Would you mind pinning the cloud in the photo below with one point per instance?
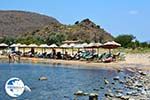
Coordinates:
(133, 12)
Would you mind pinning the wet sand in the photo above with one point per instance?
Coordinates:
(139, 61)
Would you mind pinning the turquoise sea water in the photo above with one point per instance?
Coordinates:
(62, 81)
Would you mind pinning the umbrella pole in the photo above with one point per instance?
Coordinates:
(109, 51)
(98, 50)
(72, 51)
(44, 50)
(23, 50)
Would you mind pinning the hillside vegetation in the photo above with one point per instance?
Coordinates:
(27, 27)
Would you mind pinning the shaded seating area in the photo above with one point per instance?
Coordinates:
(82, 51)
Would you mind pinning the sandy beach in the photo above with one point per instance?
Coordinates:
(140, 61)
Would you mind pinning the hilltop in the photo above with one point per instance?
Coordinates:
(29, 24)
(85, 30)
(14, 23)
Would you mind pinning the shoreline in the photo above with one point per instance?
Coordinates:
(137, 61)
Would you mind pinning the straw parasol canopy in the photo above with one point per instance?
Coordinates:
(72, 45)
(3, 45)
(98, 44)
(78, 46)
(32, 45)
(53, 46)
(23, 45)
(44, 46)
(64, 46)
(84, 45)
(16, 45)
(111, 45)
(94, 45)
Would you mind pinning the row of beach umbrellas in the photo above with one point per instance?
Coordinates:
(107, 45)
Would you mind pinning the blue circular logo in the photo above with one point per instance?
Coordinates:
(14, 87)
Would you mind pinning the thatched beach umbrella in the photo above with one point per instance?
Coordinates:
(111, 45)
(94, 45)
(84, 45)
(64, 46)
(98, 45)
(79, 46)
(23, 46)
(3, 45)
(15, 46)
(44, 46)
(53, 46)
(33, 45)
(72, 45)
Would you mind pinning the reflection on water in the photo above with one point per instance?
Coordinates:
(62, 82)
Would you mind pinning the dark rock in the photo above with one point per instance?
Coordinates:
(142, 73)
(116, 78)
(109, 95)
(121, 82)
(79, 93)
(66, 96)
(118, 95)
(113, 83)
(125, 97)
(106, 81)
(43, 78)
(96, 89)
(119, 91)
(101, 87)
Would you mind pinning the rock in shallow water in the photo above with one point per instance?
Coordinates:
(116, 78)
(106, 81)
(43, 78)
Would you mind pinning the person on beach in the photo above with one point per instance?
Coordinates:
(53, 53)
(32, 52)
(19, 58)
(10, 58)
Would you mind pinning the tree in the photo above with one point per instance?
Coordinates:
(8, 40)
(30, 39)
(77, 22)
(125, 40)
(144, 44)
(56, 38)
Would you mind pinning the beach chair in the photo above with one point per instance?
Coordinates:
(107, 57)
(101, 56)
(122, 56)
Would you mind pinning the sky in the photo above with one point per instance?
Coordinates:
(115, 16)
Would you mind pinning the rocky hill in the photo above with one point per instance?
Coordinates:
(14, 23)
(20, 23)
(85, 30)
